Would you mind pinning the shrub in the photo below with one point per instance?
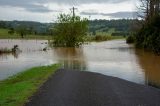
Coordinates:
(70, 31)
(130, 39)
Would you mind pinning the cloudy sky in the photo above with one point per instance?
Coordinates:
(47, 10)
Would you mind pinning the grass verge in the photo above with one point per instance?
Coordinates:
(16, 90)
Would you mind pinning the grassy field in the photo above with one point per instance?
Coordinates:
(16, 90)
(4, 35)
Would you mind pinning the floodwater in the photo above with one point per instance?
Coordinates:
(113, 58)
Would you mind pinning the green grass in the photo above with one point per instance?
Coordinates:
(4, 35)
(16, 90)
(3, 31)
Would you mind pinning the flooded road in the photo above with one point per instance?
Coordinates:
(113, 58)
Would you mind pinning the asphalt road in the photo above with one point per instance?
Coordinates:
(77, 88)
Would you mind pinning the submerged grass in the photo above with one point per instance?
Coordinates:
(99, 38)
(16, 90)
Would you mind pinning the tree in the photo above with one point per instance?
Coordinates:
(150, 8)
(70, 31)
(148, 36)
(21, 30)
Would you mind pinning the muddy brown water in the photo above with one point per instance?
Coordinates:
(113, 58)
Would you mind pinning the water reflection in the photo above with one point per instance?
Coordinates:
(150, 63)
(71, 58)
(6, 56)
(16, 54)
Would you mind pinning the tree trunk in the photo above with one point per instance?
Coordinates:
(151, 13)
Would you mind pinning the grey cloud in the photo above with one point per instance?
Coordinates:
(121, 14)
(23, 3)
(78, 2)
(113, 15)
(29, 5)
(90, 12)
(37, 8)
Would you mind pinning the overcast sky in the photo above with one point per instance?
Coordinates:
(47, 10)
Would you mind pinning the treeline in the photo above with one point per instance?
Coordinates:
(121, 26)
(148, 36)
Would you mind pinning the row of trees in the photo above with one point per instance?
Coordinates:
(148, 36)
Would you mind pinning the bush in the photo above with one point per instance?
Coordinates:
(130, 39)
(70, 31)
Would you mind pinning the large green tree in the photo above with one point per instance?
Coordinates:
(70, 31)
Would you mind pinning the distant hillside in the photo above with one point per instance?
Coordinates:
(36, 27)
(112, 27)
